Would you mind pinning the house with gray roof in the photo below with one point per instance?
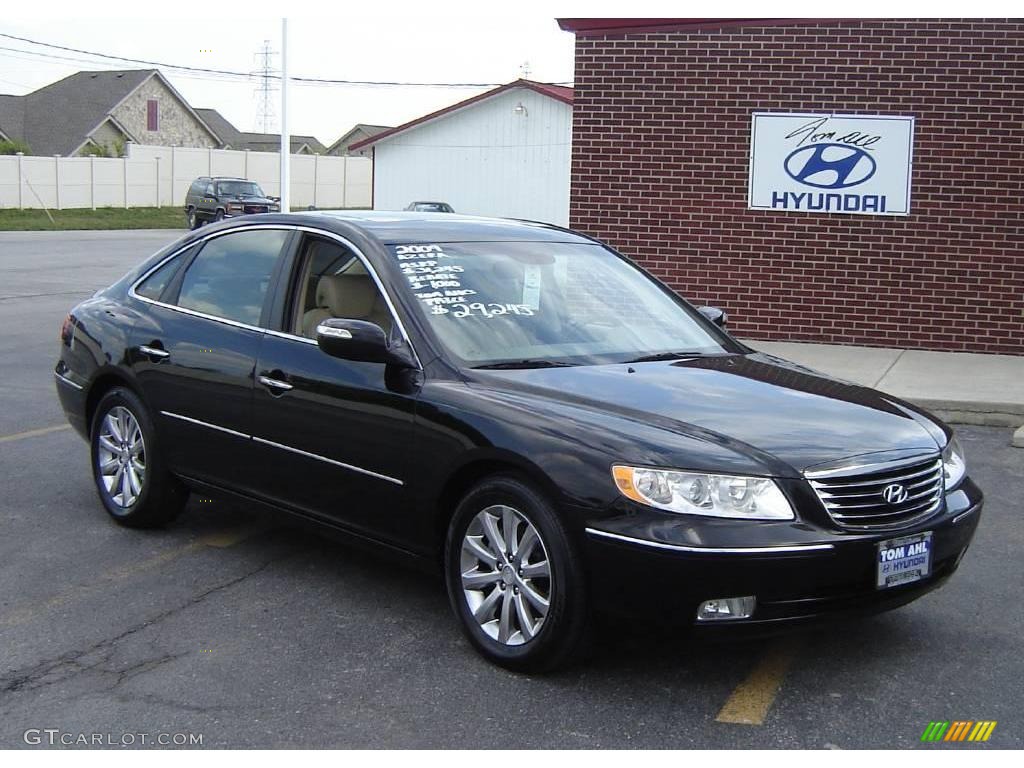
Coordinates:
(358, 132)
(232, 138)
(98, 112)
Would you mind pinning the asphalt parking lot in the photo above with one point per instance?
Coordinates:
(229, 625)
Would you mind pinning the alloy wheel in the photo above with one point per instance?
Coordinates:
(121, 456)
(506, 575)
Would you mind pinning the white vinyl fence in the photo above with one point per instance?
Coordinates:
(160, 176)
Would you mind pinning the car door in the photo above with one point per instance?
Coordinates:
(195, 357)
(333, 438)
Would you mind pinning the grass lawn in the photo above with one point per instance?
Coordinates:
(101, 218)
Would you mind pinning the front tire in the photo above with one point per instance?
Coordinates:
(131, 479)
(219, 216)
(514, 580)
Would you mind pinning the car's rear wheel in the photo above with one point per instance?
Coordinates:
(193, 220)
(132, 482)
(514, 579)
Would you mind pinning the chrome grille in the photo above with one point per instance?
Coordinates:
(856, 499)
(256, 209)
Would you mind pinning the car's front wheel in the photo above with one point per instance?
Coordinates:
(514, 579)
(131, 479)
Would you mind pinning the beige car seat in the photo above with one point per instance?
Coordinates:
(353, 296)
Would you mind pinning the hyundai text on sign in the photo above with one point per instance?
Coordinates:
(831, 164)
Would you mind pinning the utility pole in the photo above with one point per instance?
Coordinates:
(265, 75)
(286, 142)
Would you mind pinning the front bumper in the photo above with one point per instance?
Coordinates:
(797, 571)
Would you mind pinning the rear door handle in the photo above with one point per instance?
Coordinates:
(159, 354)
(282, 386)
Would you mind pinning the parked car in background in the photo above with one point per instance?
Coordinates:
(425, 206)
(519, 406)
(214, 198)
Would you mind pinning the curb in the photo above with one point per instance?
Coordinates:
(976, 413)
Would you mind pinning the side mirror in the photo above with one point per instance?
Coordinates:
(362, 342)
(715, 315)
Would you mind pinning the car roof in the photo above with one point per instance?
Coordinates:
(390, 227)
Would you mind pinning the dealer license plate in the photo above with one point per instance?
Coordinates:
(904, 560)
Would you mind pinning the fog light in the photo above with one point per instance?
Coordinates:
(725, 608)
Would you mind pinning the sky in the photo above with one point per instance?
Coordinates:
(391, 47)
(393, 40)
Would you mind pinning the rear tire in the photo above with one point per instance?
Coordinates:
(192, 219)
(131, 478)
(515, 582)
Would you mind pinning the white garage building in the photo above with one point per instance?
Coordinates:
(504, 153)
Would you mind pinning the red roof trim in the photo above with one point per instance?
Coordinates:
(599, 27)
(558, 92)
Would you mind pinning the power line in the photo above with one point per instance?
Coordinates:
(246, 75)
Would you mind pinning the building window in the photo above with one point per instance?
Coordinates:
(152, 115)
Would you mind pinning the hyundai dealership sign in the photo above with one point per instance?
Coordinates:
(830, 163)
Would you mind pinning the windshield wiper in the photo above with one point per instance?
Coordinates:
(527, 363)
(667, 356)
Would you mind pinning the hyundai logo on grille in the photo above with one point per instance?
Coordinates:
(830, 166)
(895, 493)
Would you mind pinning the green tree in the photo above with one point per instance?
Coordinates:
(14, 147)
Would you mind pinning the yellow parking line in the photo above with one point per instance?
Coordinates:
(750, 702)
(33, 433)
(231, 536)
(218, 539)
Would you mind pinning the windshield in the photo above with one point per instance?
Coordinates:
(549, 303)
(239, 189)
(432, 207)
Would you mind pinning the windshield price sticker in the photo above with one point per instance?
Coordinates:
(531, 286)
(434, 283)
(478, 309)
(438, 285)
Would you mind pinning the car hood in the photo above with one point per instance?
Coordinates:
(251, 200)
(769, 405)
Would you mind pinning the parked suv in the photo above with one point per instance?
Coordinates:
(213, 198)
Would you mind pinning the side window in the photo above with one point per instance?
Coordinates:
(334, 283)
(209, 190)
(231, 275)
(154, 285)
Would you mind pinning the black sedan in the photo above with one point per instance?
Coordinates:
(518, 405)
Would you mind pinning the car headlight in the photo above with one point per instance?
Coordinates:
(697, 493)
(953, 465)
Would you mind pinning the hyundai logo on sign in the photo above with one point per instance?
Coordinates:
(831, 163)
(830, 166)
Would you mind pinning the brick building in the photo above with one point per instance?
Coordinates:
(662, 153)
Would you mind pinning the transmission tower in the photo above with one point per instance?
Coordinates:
(267, 86)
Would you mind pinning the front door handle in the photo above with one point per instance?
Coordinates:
(281, 386)
(154, 352)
